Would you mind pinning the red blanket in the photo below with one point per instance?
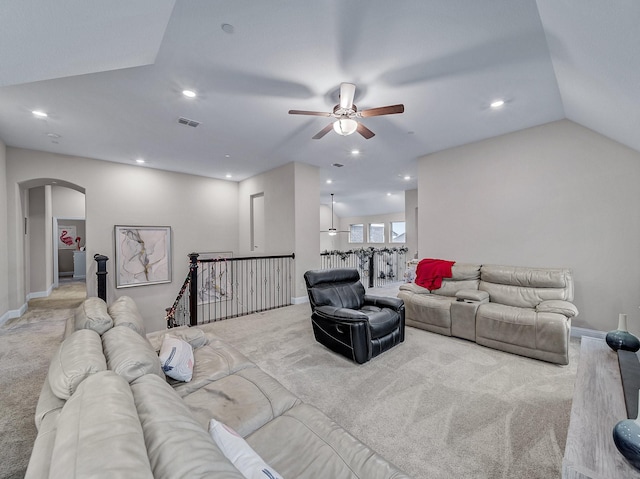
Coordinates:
(430, 272)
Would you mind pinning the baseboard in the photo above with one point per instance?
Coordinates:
(591, 333)
(299, 300)
(40, 294)
(14, 313)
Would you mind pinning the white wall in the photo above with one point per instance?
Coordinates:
(328, 243)
(279, 209)
(411, 220)
(307, 223)
(4, 230)
(291, 196)
(202, 212)
(67, 203)
(39, 234)
(557, 195)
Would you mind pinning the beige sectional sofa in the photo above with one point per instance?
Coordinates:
(525, 311)
(107, 410)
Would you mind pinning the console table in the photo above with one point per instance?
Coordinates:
(598, 404)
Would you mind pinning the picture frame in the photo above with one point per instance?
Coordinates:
(143, 255)
(214, 284)
(66, 237)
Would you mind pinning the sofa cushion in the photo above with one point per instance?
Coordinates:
(382, 321)
(196, 337)
(99, 434)
(177, 445)
(92, 314)
(521, 296)
(212, 362)
(322, 448)
(129, 354)
(525, 287)
(77, 357)
(544, 331)
(245, 401)
(428, 311)
(124, 312)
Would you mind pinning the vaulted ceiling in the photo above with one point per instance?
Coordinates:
(110, 76)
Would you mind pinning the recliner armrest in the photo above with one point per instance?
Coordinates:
(557, 306)
(384, 301)
(341, 314)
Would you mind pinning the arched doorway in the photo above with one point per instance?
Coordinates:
(48, 203)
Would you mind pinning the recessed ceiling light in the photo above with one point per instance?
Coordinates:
(407, 177)
(39, 114)
(227, 28)
(189, 93)
(329, 182)
(497, 104)
(228, 175)
(140, 161)
(227, 156)
(355, 152)
(53, 135)
(388, 194)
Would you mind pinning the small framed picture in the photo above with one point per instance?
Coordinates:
(143, 255)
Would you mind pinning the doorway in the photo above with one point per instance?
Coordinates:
(69, 260)
(257, 223)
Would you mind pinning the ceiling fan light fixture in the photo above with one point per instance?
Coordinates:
(345, 126)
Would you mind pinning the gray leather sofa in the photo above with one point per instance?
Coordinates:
(525, 311)
(107, 410)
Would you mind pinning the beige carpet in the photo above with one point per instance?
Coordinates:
(26, 347)
(437, 407)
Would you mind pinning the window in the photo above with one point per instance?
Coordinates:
(398, 231)
(376, 233)
(356, 233)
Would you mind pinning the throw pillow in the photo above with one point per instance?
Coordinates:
(176, 357)
(238, 451)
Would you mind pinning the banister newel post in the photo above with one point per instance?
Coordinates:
(193, 289)
(102, 275)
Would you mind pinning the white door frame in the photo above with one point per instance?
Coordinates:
(56, 273)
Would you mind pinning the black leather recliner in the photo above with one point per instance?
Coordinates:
(348, 321)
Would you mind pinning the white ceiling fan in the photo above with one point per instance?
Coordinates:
(346, 113)
(332, 231)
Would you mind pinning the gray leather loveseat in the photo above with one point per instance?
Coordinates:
(106, 410)
(525, 311)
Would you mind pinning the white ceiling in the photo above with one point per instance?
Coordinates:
(110, 76)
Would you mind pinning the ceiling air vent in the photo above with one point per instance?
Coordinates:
(337, 165)
(186, 121)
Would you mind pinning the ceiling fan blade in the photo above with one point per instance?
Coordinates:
(347, 92)
(383, 110)
(303, 112)
(364, 131)
(323, 132)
